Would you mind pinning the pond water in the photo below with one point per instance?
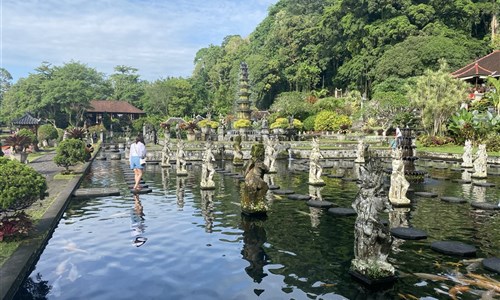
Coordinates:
(200, 247)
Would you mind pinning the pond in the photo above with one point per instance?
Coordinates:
(182, 243)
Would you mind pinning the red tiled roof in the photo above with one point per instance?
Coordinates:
(113, 106)
(488, 65)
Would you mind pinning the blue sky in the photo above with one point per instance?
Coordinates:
(158, 37)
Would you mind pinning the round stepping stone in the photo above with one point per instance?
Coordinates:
(317, 183)
(439, 177)
(456, 169)
(349, 179)
(485, 205)
(453, 200)
(492, 264)
(274, 187)
(408, 233)
(341, 211)
(441, 167)
(283, 192)
(141, 191)
(144, 186)
(319, 204)
(453, 248)
(334, 176)
(463, 181)
(299, 197)
(484, 184)
(426, 194)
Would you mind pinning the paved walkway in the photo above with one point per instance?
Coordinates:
(13, 271)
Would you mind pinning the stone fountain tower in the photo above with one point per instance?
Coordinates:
(408, 154)
(243, 110)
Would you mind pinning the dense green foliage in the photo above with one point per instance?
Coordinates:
(20, 185)
(297, 56)
(70, 152)
(47, 132)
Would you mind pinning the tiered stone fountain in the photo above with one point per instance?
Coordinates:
(409, 157)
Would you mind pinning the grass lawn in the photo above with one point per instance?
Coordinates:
(454, 149)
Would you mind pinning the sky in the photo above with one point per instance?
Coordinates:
(158, 37)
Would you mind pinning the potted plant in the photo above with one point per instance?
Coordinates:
(206, 125)
(18, 143)
(190, 127)
(242, 125)
(279, 125)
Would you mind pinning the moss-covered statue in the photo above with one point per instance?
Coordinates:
(254, 189)
(237, 153)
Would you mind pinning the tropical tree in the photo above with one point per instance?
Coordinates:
(494, 93)
(127, 85)
(437, 95)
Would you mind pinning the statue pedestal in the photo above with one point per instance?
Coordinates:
(374, 283)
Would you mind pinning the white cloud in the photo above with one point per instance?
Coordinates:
(160, 38)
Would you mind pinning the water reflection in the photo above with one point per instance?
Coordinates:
(34, 289)
(254, 237)
(138, 226)
(479, 192)
(466, 187)
(315, 214)
(315, 192)
(180, 191)
(207, 209)
(165, 176)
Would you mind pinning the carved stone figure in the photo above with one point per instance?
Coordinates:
(372, 240)
(480, 163)
(181, 159)
(254, 189)
(467, 156)
(166, 152)
(271, 153)
(315, 168)
(207, 168)
(237, 153)
(399, 184)
(360, 153)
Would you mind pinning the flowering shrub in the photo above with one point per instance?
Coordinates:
(242, 123)
(331, 121)
(208, 123)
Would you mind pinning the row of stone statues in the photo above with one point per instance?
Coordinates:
(479, 163)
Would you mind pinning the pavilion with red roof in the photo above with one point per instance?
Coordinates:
(114, 108)
(477, 71)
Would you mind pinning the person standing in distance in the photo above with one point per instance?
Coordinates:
(137, 151)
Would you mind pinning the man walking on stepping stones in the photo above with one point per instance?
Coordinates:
(137, 152)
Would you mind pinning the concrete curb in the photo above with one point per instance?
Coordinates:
(19, 265)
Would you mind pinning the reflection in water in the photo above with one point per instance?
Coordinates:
(254, 237)
(165, 175)
(479, 193)
(466, 187)
(207, 209)
(180, 190)
(138, 226)
(315, 214)
(398, 217)
(34, 289)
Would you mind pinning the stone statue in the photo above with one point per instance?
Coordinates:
(372, 240)
(467, 156)
(360, 153)
(480, 163)
(315, 168)
(181, 159)
(399, 184)
(166, 151)
(254, 189)
(237, 153)
(207, 169)
(271, 153)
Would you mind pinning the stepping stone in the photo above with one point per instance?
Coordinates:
(456, 169)
(283, 192)
(141, 191)
(441, 167)
(95, 192)
(439, 177)
(484, 184)
(485, 205)
(274, 187)
(144, 186)
(341, 211)
(463, 181)
(426, 194)
(492, 264)
(299, 197)
(334, 176)
(132, 181)
(317, 183)
(453, 248)
(319, 204)
(349, 179)
(405, 233)
(453, 199)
